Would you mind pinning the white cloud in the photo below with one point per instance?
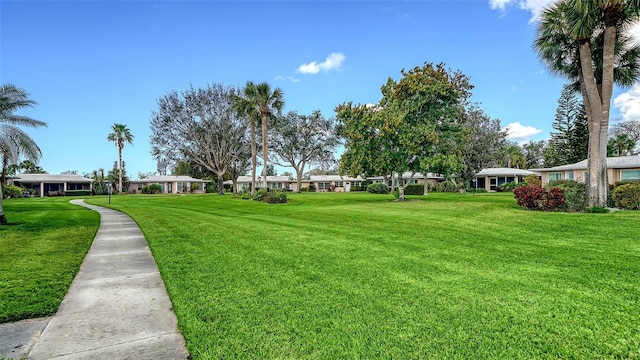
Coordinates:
(517, 131)
(332, 62)
(534, 6)
(290, 78)
(629, 103)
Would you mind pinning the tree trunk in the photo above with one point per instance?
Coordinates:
(119, 169)
(607, 90)
(299, 179)
(3, 218)
(594, 101)
(265, 151)
(254, 160)
(425, 190)
(220, 184)
(235, 185)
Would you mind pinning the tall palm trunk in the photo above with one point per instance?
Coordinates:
(3, 218)
(593, 98)
(607, 90)
(265, 151)
(254, 155)
(120, 168)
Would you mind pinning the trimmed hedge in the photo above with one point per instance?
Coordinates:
(414, 189)
(378, 188)
(151, 189)
(77, 192)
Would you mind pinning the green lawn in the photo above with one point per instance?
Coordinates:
(40, 252)
(335, 276)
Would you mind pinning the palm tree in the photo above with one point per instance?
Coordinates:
(258, 102)
(581, 40)
(621, 145)
(13, 141)
(120, 135)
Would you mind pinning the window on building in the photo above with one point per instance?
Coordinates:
(629, 174)
(570, 175)
(555, 176)
(324, 186)
(339, 184)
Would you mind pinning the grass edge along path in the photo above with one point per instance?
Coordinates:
(41, 250)
(332, 276)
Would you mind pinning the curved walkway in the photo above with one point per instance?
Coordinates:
(117, 306)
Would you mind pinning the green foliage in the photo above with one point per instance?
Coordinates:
(447, 186)
(151, 189)
(627, 196)
(77, 192)
(532, 180)
(508, 186)
(311, 188)
(269, 196)
(478, 190)
(210, 188)
(597, 210)
(11, 191)
(378, 188)
(575, 194)
(414, 189)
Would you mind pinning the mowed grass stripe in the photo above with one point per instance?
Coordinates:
(331, 276)
(40, 253)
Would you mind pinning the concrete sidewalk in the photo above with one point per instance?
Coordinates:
(117, 306)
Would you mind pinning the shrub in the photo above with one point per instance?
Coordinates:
(597, 210)
(195, 187)
(575, 194)
(532, 180)
(478, 190)
(447, 186)
(535, 197)
(273, 196)
(508, 186)
(151, 189)
(529, 196)
(311, 188)
(11, 191)
(77, 192)
(414, 189)
(627, 196)
(378, 188)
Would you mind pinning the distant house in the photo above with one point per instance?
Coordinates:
(490, 179)
(618, 169)
(273, 182)
(170, 184)
(418, 178)
(334, 182)
(52, 184)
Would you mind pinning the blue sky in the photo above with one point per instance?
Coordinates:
(90, 64)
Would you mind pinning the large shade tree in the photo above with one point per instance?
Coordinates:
(14, 142)
(259, 103)
(202, 127)
(584, 41)
(299, 140)
(416, 126)
(120, 135)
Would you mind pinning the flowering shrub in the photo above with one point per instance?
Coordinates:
(535, 197)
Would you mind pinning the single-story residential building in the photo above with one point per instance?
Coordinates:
(333, 182)
(491, 178)
(170, 184)
(52, 184)
(618, 169)
(418, 178)
(273, 182)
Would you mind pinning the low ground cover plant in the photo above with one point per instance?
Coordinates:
(344, 275)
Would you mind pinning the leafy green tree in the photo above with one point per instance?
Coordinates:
(621, 145)
(582, 40)
(417, 125)
(515, 156)
(299, 140)
(120, 134)
(118, 175)
(259, 102)
(534, 153)
(631, 129)
(14, 142)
